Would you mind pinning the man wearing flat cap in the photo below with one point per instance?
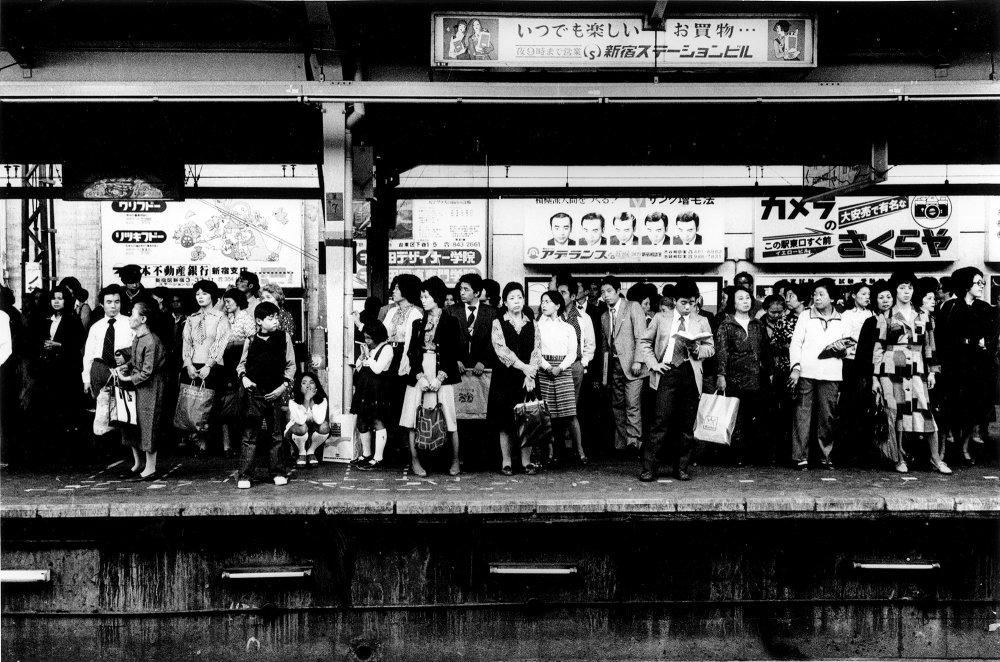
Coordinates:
(131, 277)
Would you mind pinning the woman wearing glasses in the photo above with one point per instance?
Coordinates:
(965, 326)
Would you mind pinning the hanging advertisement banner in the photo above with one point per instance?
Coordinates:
(887, 228)
(581, 231)
(443, 238)
(487, 41)
(180, 243)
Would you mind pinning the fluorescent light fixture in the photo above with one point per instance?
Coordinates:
(897, 565)
(271, 572)
(25, 576)
(523, 569)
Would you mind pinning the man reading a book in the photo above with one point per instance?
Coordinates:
(673, 347)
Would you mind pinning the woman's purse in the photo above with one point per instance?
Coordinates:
(533, 422)
(123, 410)
(430, 428)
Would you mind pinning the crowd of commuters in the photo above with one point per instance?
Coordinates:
(897, 373)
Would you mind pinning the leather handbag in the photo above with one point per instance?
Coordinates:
(533, 422)
(431, 429)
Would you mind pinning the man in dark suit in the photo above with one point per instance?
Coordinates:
(592, 226)
(624, 230)
(476, 321)
(686, 229)
(676, 374)
(561, 225)
(656, 229)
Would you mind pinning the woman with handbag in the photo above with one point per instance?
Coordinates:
(555, 381)
(518, 347)
(206, 334)
(144, 371)
(433, 360)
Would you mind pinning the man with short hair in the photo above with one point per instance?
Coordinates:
(475, 319)
(676, 373)
(592, 226)
(561, 225)
(686, 228)
(622, 325)
(656, 230)
(131, 277)
(624, 225)
(107, 335)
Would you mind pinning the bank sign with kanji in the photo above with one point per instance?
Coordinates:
(859, 230)
(552, 41)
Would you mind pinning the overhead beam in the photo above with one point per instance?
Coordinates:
(496, 92)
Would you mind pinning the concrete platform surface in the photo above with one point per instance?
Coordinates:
(207, 487)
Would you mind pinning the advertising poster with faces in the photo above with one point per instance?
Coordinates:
(588, 231)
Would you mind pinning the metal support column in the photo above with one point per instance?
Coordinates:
(38, 242)
(337, 189)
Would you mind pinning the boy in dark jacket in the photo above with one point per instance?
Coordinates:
(266, 369)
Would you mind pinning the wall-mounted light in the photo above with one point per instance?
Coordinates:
(269, 572)
(524, 569)
(25, 576)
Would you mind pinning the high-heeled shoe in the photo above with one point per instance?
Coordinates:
(583, 461)
(967, 458)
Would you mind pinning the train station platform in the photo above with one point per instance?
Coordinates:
(206, 488)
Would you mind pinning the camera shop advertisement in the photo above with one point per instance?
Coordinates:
(436, 237)
(623, 230)
(887, 228)
(180, 243)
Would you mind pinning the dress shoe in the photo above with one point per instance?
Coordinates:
(682, 475)
(531, 469)
(507, 471)
(147, 479)
(647, 477)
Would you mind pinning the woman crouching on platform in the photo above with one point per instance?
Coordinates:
(433, 357)
(308, 413)
(517, 344)
(555, 381)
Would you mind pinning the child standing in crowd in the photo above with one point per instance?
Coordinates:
(371, 401)
(144, 371)
(308, 412)
(266, 371)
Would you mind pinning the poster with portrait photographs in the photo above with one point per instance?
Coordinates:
(591, 230)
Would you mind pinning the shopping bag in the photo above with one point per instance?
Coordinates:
(472, 395)
(194, 404)
(339, 447)
(431, 429)
(532, 422)
(123, 406)
(102, 412)
(716, 418)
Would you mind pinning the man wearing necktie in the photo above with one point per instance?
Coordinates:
(476, 321)
(108, 335)
(676, 374)
(622, 326)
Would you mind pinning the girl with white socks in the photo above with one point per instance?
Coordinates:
(371, 395)
(307, 412)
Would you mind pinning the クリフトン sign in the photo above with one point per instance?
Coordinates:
(486, 41)
(179, 243)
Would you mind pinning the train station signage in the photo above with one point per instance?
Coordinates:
(180, 243)
(856, 230)
(621, 41)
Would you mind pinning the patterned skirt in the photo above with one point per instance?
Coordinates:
(558, 392)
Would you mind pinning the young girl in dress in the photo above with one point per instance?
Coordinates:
(307, 414)
(371, 395)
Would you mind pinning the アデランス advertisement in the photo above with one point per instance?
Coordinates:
(179, 243)
(885, 228)
(581, 231)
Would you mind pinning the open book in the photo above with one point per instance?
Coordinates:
(692, 337)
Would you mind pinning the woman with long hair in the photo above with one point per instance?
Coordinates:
(56, 360)
(433, 361)
(740, 348)
(906, 367)
(308, 413)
